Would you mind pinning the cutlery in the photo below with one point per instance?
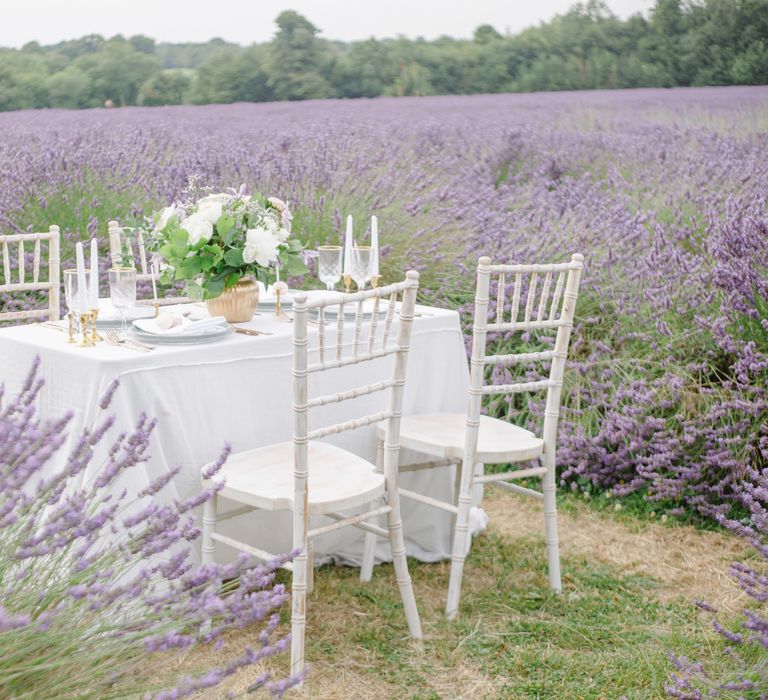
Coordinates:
(114, 339)
(251, 331)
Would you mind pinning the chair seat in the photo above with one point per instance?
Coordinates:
(263, 478)
(442, 435)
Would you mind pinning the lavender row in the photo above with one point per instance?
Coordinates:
(663, 191)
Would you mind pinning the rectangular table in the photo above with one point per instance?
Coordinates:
(239, 391)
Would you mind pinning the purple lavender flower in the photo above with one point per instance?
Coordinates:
(93, 582)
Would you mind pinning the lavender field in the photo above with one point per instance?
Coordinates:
(663, 191)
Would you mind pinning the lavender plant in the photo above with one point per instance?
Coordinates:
(663, 191)
(98, 592)
(746, 645)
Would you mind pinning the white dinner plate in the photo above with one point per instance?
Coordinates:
(143, 329)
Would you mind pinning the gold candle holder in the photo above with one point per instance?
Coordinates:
(157, 309)
(85, 341)
(278, 307)
(71, 318)
(95, 337)
(347, 282)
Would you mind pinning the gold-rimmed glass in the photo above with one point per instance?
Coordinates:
(122, 290)
(361, 265)
(329, 264)
(70, 298)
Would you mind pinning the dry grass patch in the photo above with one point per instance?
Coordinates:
(688, 563)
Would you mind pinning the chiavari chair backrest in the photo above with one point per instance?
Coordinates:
(19, 279)
(529, 298)
(368, 342)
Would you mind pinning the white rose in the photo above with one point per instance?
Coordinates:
(165, 217)
(261, 247)
(270, 223)
(211, 211)
(198, 228)
(283, 234)
(278, 204)
(220, 198)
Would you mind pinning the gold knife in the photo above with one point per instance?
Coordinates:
(250, 331)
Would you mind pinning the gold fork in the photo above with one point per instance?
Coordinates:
(114, 339)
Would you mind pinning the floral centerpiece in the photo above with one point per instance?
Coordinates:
(220, 242)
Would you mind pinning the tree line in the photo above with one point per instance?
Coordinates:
(680, 43)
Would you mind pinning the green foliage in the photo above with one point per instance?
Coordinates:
(295, 60)
(708, 42)
(168, 87)
(209, 265)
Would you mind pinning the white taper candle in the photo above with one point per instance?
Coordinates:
(152, 273)
(374, 247)
(348, 243)
(93, 285)
(82, 299)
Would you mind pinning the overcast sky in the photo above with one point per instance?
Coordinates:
(248, 21)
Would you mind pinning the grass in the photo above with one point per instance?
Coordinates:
(607, 636)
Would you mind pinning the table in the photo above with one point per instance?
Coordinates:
(239, 391)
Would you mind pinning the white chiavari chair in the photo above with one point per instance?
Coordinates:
(471, 438)
(143, 273)
(313, 478)
(52, 282)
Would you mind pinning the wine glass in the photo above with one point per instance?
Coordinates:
(361, 266)
(122, 290)
(70, 296)
(329, 265)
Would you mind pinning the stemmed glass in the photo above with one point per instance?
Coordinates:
(361, 266)
(70, 295)
(329, 264)
(122, 291)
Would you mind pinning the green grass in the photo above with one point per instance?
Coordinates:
(607, 636)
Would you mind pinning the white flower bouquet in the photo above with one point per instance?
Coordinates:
(214, 241)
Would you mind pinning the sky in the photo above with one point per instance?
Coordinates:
(249, 21)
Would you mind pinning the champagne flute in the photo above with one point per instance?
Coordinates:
(361, 265)
(70, 296)
(122, 290)
(329, 264)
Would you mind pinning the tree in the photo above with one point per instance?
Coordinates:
(364, 70)
(297, 59)
(485, 34)
(142, 43)
(233, 77)
(117, 72)
(169, 87)
(69, 89)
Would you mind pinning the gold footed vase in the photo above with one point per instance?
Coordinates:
(236, 304)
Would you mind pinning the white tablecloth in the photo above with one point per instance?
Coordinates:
(239, 391)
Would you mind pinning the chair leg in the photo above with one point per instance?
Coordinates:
(310, 566)
(397, 543)
(298, 612)
(455, 501)
(460, 542)
(369, 548)
(209, 527)
(369, 552)
(550, 522)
